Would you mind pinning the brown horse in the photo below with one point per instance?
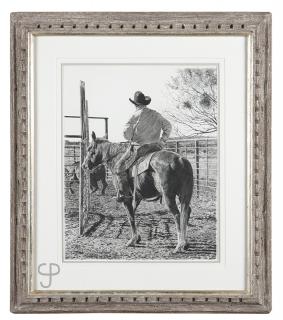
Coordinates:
(169, 175)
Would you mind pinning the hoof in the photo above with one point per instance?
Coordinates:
(139, 239)
(181, 247)
(135, 240)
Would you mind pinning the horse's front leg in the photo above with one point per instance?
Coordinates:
(93, 185)
(136, 238)
(104, 186)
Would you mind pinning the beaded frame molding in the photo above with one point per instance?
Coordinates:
(257, 28)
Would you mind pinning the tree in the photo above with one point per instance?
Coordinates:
(194, 95)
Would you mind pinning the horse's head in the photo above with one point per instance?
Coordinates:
(93, 156)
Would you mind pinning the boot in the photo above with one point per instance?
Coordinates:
(123, 187)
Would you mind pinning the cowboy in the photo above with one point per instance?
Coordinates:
(143, 130)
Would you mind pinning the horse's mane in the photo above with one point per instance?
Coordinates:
(112, 148)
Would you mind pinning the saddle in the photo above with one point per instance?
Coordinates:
(139, 157)
(142, 164)
(137, 161)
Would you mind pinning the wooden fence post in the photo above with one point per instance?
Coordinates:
(197, 165)
(86, 138)
(207, 162)
(177, 147)
(84, 176)
(106, 128)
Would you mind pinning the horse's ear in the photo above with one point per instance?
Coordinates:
(93, 136)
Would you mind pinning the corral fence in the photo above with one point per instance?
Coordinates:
(201, 152)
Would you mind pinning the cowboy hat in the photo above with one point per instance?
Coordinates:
(140, 99)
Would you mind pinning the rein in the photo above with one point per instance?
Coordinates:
(104, 162)
(101, 164)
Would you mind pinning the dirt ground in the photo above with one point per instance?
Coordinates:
(109, 230)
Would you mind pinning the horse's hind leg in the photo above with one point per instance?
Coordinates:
(136, 238)
(185, 215)
(172, 206)
(185, 199)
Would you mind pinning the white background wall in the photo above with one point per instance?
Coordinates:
(273, 6)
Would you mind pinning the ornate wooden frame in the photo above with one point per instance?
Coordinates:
(257, 28)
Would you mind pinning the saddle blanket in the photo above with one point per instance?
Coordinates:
(142, 164)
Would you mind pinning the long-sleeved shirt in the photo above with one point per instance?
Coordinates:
(145, 126)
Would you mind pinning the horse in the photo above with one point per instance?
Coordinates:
(98, 174)
(169, 175)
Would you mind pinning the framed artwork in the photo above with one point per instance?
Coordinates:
(141, 147)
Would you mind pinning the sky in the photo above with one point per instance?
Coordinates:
(108, 89)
